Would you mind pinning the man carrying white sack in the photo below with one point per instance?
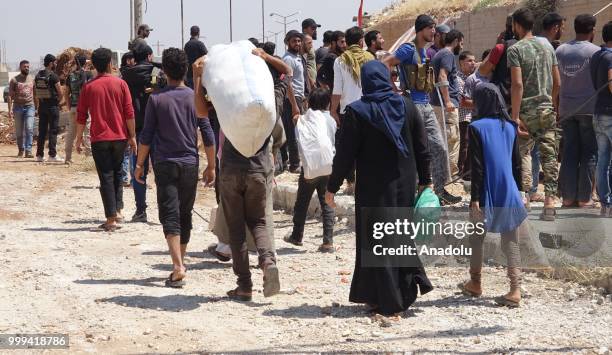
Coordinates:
(243, 185)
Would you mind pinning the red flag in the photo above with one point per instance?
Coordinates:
(360, 15)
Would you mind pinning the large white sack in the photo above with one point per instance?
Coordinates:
(240, 87)
(315, 145)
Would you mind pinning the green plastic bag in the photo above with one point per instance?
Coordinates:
(426, 210)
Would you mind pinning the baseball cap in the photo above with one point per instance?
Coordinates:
(144, 27)
(307, 23)
(443, 29)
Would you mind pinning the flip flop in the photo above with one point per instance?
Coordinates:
(503, 301)
(174, 283)
(271, 284)
(233, 295)
(109, 228)
(467, 292)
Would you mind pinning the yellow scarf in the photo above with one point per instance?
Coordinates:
(354, 57)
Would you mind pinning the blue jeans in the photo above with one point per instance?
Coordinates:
(125, 167)
(577, 173)
(140, 190)
(603, 131)
(24, 126)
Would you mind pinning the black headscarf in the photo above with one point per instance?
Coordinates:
(380, 105)
(490, 103)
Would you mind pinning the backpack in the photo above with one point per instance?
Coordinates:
(419, 76)
(501, 75)
(42, 87)
(76, 80)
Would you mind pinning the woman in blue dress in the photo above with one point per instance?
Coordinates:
(495, 195)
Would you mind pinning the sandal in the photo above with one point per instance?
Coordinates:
(174, 283)
(536, 197)
(548, 214)
(466, 292)
(235, 296)
(109, 228)
(503, 301)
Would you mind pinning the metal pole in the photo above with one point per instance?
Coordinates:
(231, 34)
(263, 22)
(137, 15)
(182, 27)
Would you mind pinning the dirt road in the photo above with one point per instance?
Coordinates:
(61, 275)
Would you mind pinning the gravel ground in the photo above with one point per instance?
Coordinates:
(60, 275)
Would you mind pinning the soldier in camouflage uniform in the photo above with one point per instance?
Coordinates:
(535, 82)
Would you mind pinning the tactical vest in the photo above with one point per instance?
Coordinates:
(75, 82)
(419, 76)
(43, 89)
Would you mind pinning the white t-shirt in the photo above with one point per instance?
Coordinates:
(344, 85)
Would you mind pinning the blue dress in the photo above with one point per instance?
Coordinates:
(496, 173)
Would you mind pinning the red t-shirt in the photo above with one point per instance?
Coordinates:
(108, 101)
(496, 54)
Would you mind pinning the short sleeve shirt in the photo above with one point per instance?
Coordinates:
(407, 54)
(601, 64)
(445, 59)
(536, 62)
(21, 90)
(295, 62)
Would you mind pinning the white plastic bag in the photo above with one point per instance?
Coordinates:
(240, 87)
(314, 143)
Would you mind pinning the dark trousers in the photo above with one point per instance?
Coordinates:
(350, 178)
(48, 125)
(140, 190)
(176, 192)
(577, 173)
(463, 162)
(304, 193)
(243, 199)
(108, 157)
(289, 150)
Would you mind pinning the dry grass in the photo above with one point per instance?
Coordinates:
(587, 276)
(403, 9)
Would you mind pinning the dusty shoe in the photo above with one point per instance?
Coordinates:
(271, 282)
(56, 159)
(447, 199)
(326, 248)
(40, 159)
(29, 155)
(20, 154)
(140, 217)
(289, 239)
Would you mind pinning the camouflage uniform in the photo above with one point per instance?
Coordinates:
(536, 62)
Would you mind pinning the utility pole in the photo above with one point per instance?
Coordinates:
(131, 19)
(263, 21)
(285, 23)
(137, 15)
(158, 45)
(275, 34)
(182, 27)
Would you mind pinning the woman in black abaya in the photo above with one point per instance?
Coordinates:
(384, 135)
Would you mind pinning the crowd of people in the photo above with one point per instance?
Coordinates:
(492, 119)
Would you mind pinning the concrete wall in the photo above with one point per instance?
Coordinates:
(482, 27)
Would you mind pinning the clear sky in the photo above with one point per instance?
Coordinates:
(33, 28)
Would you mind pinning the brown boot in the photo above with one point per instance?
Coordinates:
(473, 287)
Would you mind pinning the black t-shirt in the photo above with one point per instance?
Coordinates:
(320, 54)
(194, 49)
(601, 63)
(326, 72)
